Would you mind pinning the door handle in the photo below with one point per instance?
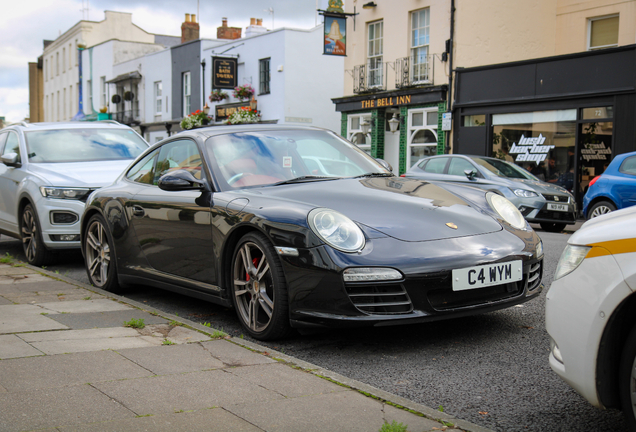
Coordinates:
(138, 211)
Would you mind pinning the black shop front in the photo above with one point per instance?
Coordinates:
(563, 118)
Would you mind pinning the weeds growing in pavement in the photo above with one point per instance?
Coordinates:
(167, 342)
(393, 427)
(6, 259)
(135, 323)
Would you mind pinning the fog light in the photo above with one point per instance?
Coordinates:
(365, 274)
(556, 352)
(64, 237)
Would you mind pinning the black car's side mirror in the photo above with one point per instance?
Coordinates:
(11, 159)
(470, 174)
(385, 164)
(180, 180)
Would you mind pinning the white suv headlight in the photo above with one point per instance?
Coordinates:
(335, 229)
(64, 193)
(571, 258)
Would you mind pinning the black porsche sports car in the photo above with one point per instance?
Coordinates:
(296, 227)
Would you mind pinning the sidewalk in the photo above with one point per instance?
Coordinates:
(68, 363)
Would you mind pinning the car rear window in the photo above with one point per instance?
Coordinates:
(628, 166)
(83, 145)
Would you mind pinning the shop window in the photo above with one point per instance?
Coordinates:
(422, 134)
(603, 32)
(374, 55)
(355, 134)
(474, 120)
(420, 22)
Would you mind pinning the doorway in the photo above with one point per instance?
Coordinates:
(594, 153)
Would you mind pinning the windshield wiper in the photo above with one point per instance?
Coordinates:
(374, 174)
(305, 178)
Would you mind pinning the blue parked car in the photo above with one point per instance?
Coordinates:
(614, 189)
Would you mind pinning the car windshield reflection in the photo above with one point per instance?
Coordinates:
(289, 156)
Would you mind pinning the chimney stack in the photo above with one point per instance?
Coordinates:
(255, 27)
(189, 28)
(225, 32)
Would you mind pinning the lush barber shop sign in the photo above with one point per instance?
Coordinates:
(530, 149)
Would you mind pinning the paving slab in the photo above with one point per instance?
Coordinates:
(287, 381)
(87, 345)
(347, 411)
(64, 335)
(34, 373)
(48, 297)
(11, 346)
(6, 270)
(105, 319)
(25, 318)
(5, 301)
(57, 407)
(209, 420)
(20, 279)
(84, 306)
(234, 355)
(173, 359)
(189, 391)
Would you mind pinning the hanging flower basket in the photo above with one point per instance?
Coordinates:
(218, 96)
(197, 118)
(243, 92)
(243, 115)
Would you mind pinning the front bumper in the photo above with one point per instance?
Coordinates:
(59, 218)
(319, 298)
(578, 307)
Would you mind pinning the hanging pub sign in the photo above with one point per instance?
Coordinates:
(335, 27)
(224, 72)
(335, 35)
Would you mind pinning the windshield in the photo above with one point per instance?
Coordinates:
(273, 157)
(83, 145)
(504, 169)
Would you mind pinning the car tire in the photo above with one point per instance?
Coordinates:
(552, 226)
(600, 208)
(99, 255)
(627, 380)
(31, 235)
(258, 288)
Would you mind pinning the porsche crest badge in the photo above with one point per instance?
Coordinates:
(451, 225)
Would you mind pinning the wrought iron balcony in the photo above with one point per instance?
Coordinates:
(412, 71)
(128, 117)
(369, 77)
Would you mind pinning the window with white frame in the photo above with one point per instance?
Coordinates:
(158, 98)
(70, 56)
(57, 63)
(186, 93)
(602, 32)
(63, 60)
(420, 21)
(354, 131)
(422, 134)
(46, 70)
(103, 99)
(374, 55)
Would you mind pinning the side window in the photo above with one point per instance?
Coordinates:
(3, 138)
(13, 145)
(143, 171)
(436, 166)
(458, 166)
(629, 166)
(177, 155)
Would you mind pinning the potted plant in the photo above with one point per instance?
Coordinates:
(244, 115)
(218, 96)
(244, 92)
(196, 119)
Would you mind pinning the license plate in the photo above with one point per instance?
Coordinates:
(487, 275)
(558, 207)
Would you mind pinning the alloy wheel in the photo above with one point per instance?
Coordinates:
(29, 234)
(600, 210)
(97, 252)
(253, 287)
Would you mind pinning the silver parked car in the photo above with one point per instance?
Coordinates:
(547, 204)
(47, 172)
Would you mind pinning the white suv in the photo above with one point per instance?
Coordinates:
(47, 172)
(591, 313)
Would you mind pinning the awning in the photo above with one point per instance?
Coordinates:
(135, 75)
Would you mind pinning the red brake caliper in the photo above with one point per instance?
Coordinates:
(247, 276)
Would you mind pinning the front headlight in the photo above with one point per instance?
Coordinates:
(506, 210)
(64, 193)
(571, 258)
(337, 230)
(523, 193)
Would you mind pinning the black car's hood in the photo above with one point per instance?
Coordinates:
(406, 209)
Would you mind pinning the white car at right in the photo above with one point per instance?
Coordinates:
(591, 313)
